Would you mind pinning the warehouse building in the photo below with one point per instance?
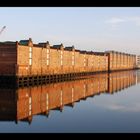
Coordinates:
(24, 59)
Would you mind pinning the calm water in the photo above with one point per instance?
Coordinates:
(100, 103)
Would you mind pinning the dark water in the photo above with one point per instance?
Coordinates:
(100, 103)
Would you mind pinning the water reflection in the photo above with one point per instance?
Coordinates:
(121, 80)
(21, 104)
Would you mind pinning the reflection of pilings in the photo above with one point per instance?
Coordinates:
(22, 81)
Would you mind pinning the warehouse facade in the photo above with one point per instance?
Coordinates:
(24, 58)
(120, 61)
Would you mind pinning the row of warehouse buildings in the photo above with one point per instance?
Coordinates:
(24, 58)
(23, 103)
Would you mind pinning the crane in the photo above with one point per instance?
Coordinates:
(2, 29)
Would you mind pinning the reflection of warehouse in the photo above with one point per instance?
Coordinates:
(118, 81)
(8, 105)
(138, 77)
(138, 61)
(25, 59)
(23, 103)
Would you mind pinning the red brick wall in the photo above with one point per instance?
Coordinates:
(8, 58)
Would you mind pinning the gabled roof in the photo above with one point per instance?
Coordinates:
(69, 48)
(24, 42)
(44, 44)
(58, 46)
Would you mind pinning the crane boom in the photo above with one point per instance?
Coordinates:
(2, 29)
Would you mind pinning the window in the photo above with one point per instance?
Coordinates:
(72, 58)
(30, 61)
(30, 49)
(84, 61)
(47, 51)
(47, 62)
(61, 58)
(30, 55)
(48, 56)
(61, 62)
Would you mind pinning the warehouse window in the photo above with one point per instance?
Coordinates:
(61, 58)
(47, 50)
(30, 55)
(48, 56)
(30, 49)
(47, 62)
(72, 58)
(30, 61)
(84, 60)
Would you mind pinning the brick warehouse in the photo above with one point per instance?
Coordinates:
(25, 59)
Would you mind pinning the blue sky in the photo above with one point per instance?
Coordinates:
(94, 28)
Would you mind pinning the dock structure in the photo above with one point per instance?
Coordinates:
(27, 63)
